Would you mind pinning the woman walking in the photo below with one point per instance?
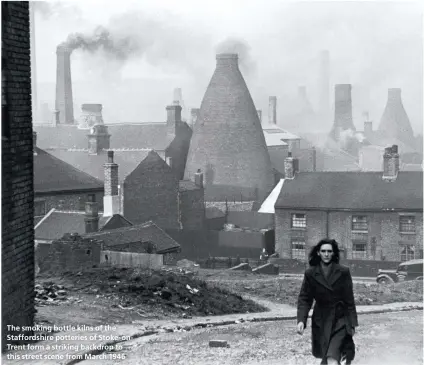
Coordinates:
(334, 316)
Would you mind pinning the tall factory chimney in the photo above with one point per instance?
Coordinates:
(228, 143)
(394, 121)
(34, 99)
(342, 111)
(324, 83)
(64, 100)
(272, 110)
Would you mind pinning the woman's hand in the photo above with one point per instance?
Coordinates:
(300, 328)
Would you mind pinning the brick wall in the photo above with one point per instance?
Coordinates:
(383, 233)
(69, 201)
(192, 209)
(17, 170)
(72, 255)
(152, 193)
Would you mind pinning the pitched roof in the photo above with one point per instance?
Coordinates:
(147, 231)
(127, 161)
(150, 162)
(125, 135)
(352, 191)
(56, 223)
(51, 174)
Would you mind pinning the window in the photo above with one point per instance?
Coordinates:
(359, 223)
(298, 249)
(39, 208)
(407, 224)
(359, 250)
(298, 220)
(407, 253)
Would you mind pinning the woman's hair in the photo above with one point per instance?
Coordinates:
(314, 259)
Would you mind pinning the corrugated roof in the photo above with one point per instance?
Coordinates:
(148, 231)
(52, 174)
(142, 135)
(127, 161)
(352, 190)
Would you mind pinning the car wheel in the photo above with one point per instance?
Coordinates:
(383, 281)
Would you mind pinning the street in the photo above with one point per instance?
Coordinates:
(389, 338)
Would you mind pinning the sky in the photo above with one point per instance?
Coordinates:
(373, 46)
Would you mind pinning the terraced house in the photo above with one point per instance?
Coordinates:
(373, 215)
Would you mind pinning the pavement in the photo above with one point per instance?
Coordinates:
(76, 344)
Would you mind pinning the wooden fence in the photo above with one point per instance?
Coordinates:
(131, 260)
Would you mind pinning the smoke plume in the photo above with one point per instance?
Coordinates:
(119, 47)
(233, 45)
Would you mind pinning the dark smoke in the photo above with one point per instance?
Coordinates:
(121, 48)
(233, 45)
(133, 35)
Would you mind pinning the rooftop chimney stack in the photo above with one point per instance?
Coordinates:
(260, 115)
(98, 139)
(324, 83)
(394, 121)
(35, 114)
(291, 166)
(111, 204)
(91, 115)
(91, 218)
(342, 111)
(390, 163)
(173, 121)
(198, 178)
(64, 99)
(272, 110)
(178, 100)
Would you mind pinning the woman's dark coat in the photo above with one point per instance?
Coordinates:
(329, 293)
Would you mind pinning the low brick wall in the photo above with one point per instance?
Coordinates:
(365, 268)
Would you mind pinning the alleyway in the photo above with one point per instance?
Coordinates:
(388, 338)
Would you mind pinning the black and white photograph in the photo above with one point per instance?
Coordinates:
(212, 182)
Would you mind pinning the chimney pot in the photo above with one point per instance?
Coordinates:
(91, 214)
(198, 178)
(291, 166)
(390, 163)
(110, 156)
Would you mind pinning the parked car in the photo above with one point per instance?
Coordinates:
(409, 270)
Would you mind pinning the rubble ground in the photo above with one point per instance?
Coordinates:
(119, 295)
(285, 290)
